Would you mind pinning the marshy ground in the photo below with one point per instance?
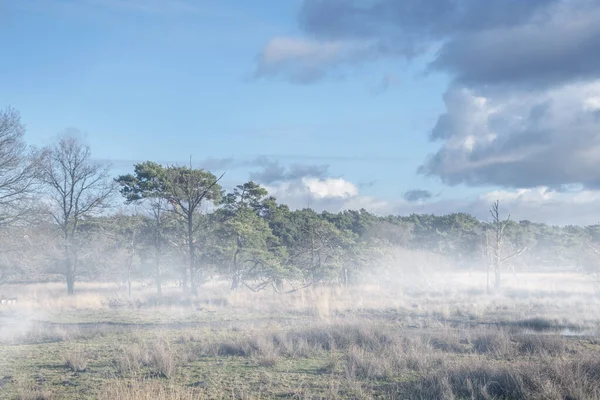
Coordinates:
(445, 339)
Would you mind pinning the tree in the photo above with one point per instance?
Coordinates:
(76, 188)
(244, 240)
(147, 186)
(186, 189)
(128, 232)
(245, 247)
(19, 167)
(183, 190)
(249, 195)
(316, 248)
(495, 244)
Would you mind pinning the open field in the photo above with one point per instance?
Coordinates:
(440, 339)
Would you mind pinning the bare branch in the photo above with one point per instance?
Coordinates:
(515, 254)
(77, 189)
(18, 169)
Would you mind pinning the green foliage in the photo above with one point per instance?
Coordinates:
(254, 241)
(244, 247)
(186, 188)
(181, 191)
(148, 181)
(316, 247)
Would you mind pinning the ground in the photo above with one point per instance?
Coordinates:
(439, 338)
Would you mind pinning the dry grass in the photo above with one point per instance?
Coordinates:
(392, 341)
(76, 359)
(35, 394)
(146, 390)
(267, 353)
(497, 343)
(480, 379)
(158, 356)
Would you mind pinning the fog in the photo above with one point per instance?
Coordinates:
(362, 204)
(384, 311)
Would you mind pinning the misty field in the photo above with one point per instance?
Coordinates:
(443, 339)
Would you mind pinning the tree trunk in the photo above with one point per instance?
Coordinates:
(487, 287)
(129, 282)
(344, 276)
(235, 282)
(497, 277)
(279, 284)
(69, 267)
(130, 264)
(157, 247)
(184, 278)
(190, 234)
(194, 281)
(158, 278)
(70, 276)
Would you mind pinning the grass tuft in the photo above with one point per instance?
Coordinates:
(76, 360)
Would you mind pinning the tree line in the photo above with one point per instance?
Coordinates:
(64, 216)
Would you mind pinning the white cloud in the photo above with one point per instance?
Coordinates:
(543, 205)
(537, 205)
(330, 188)
(331, 194)
(372, 204)
(592, 103)
(539, 195)
(575, 206)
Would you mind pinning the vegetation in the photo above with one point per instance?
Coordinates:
(177, 288)
(63, 205)
(327, 342)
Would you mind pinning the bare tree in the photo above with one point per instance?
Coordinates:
(77, 188)
(496, 246)
(485, 254)
(18, 169)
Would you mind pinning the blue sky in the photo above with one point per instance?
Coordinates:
(166, 80)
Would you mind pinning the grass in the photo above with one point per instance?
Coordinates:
(364, 342)
(76, 360)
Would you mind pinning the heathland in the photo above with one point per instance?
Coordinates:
(438, 336)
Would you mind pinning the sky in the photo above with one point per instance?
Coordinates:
(395, 106)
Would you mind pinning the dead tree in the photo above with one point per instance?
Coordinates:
(485, 254)
(495, 245)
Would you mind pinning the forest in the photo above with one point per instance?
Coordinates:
(65, 218)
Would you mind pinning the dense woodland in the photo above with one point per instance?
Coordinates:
(64, 217)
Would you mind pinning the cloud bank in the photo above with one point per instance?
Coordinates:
(565, 207)
(523, 106)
